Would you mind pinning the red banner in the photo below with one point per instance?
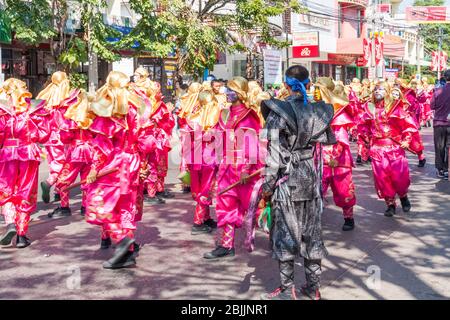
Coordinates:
(379, 48)
(306, 52)
(439, 61)
(426, 14)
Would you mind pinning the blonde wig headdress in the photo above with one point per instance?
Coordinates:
(189, 100)
(17, 93)
(255, 96)
(240, 86)
(326, 88)
(57, 91)
(112, 100)
(79, 111)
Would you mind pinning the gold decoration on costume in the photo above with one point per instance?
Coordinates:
(17, 93)
(112, 100)
(283, 94)
(57, 91)
(79, 112)
(189, 100)
(327, 87)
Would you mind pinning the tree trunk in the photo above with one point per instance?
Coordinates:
(92, 59)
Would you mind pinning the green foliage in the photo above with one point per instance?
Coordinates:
(78, 80)
(430, 32)
(75, 54)
(30, 20)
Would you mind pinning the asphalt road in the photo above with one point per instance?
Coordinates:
(406, 257)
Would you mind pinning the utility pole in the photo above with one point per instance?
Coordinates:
(419, 65)
(373, 63)
(440, 52)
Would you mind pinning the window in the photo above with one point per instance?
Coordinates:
(239, 68)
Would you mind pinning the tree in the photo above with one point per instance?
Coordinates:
(198, 30)
(38, 21)
(430, 32)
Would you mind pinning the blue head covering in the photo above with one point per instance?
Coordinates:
(298, 86)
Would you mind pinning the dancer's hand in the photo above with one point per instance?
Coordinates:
(405, 145)
(92, 176)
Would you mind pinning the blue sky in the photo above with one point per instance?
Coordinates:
(407, 3)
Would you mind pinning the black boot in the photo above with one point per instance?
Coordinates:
(390, 212)
(126, 261)
(211, 223)
(105, 244)
(287, 289)
(219, 253)
(422, 163)
(60, 212)
(186, 189)
(165, 194)
(156, 200)
(83, 211)
(349, 225)
(117, 260)
(9, 234)
(57, 198)
(406, 204)
(313, 270)
(45, 186)
(358, 160)
(200, 229)
(22, 242)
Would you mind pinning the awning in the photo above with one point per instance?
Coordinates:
(394, 47)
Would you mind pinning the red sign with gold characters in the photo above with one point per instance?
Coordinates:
(306, 52)
(427, 14)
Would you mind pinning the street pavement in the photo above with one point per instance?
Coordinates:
(406, 257)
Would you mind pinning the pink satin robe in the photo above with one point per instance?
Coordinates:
(232, 205)
(339, 175)
(20, 156)
(112, 200)
(386, 132)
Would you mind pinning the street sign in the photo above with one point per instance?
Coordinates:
(305, 45)
(273, 66)
(427, 14)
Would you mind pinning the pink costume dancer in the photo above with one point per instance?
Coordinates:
(57, 95)
(118, 143)
(200, 157)
(23, 125)
(338, 160)
(390, 129)
(416, 140)
(79, 151)
(240, 126)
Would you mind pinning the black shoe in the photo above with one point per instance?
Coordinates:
(390, 212)
(166, 194)
(440, 174)
(22, 242)
(7, 237)
(145, 192)
(45, 186)
(406, 204)
(121, 251)
(369, 159)
(211, 223)
(359, 160)
(60, 212)
(83, 211)
(127, 260)
(311, 292)
(422, 163)
(156, 200)
(200, 229)
(57, 198)
(281, 294)
(349, 225)
(105, 244)
(186, 190)
(219, 253)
